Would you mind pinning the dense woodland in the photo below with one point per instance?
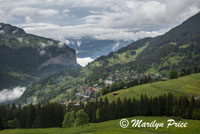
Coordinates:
(165, 105)
(52, 114)
(32, 116)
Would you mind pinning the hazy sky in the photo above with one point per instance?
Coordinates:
(102, 19)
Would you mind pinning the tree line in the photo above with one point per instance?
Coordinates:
(31, 116)
(164, 105)
(57, 115)
(173, 74)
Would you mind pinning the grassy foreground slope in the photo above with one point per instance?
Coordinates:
(112, 127)
(183, 86)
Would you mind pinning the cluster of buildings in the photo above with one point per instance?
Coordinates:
(85, 91)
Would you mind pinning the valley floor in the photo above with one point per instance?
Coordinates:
(113, 127)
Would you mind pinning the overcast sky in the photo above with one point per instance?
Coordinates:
(102, 19)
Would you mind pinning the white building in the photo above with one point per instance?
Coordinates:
(108, 82)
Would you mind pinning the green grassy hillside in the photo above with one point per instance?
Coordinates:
(112, 127)
(183, 86)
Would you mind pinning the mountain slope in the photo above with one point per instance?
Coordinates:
(25, 57)
(177, 49)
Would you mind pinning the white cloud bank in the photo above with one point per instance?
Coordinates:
(9, 95)
(84, 61)
(102, 19)
(48, 12)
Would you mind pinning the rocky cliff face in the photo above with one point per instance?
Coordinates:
(62, 59)
(25, 58)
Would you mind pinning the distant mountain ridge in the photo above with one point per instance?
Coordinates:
(25, 58)
(90, 47)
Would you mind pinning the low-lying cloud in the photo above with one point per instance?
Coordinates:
(11, 94)
(84, 61)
